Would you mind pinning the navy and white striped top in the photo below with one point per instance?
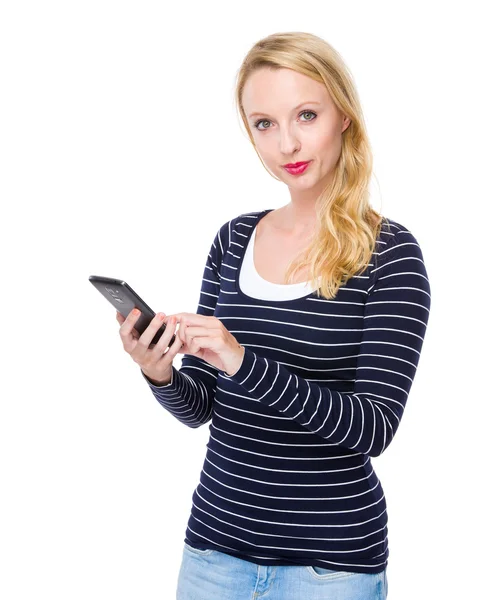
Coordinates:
(287, 477)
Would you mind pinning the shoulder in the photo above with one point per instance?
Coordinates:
(243, 217)
(394, 235)
(397, 249)
(235, 226)
(246, 219)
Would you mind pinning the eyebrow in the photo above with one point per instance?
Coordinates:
(260, 114)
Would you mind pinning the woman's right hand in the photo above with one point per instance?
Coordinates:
(155, 363)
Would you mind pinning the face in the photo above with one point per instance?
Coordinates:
(293, 119)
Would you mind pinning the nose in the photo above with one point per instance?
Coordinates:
(289, 142)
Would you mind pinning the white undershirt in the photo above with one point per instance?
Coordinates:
(252, 284)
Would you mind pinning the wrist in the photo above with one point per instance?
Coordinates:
(167, 379)
(240, 358)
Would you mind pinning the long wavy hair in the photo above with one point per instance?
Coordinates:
(345, 237)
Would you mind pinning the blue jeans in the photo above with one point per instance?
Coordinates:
(214, 575)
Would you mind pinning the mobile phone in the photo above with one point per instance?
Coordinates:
(124, 299)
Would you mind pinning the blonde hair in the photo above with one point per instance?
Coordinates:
(344, 241)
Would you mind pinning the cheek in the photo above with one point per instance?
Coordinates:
(268, 154)
(265, 147)
(330, 148)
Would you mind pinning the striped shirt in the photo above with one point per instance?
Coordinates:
(287, 477)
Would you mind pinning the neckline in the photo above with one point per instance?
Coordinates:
(250, 253)
(262, 214)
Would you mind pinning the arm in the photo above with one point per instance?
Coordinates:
(190, 393)
(395, 320)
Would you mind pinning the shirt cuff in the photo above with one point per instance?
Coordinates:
(170, 384)
(247, 366)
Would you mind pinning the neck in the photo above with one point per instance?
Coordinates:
(298, 217)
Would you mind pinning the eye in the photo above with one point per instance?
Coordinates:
(309, 112)
(304, 112)
(261, 121)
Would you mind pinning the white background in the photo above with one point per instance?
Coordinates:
(121, 155)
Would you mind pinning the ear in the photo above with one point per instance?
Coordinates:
(345, 123)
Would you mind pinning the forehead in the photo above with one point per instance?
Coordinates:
(280, 89)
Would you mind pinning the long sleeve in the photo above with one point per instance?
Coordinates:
(190, 393)
(396, 314)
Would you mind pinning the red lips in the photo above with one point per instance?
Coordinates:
(294, 165)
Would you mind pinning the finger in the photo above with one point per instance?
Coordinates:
(147, 336)
(121, 320)
(127, 327)
(172, 351)
(202, 343)
(197, 320)
(179, 316)
(186, 336)
(166, 336)
(191, 335)
(197, 331)
(184, 348)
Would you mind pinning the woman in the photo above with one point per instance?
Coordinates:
(302, 352)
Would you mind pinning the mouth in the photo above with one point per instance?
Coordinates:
(295, 165)
(296, 168)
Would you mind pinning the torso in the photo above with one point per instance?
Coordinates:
(274, 249)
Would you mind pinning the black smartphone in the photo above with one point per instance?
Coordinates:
(124, 299)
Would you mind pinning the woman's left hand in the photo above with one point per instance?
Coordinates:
(208, 339)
